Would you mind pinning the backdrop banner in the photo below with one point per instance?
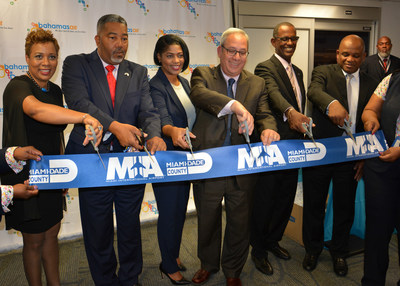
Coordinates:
(72, 171)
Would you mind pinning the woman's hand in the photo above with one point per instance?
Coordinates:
(89, 120)
(178, 137)
(390, 155)
(371, 124)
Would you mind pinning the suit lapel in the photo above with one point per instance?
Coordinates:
(341, 82)
(363, 95)
(286, 84)
(98, 70)
(283, 76)
(379, 67)
(123, 78)
(171, 92)
(242, 88)
(221, 85)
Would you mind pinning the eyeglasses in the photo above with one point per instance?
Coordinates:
(233, 52)
(286, 39)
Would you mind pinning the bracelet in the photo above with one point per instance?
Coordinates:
(288, 112)
(84, 116)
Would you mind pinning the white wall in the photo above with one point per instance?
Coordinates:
(390, 20)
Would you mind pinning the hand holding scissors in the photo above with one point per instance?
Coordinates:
(93, 135)
(308, 128)
(346, 127)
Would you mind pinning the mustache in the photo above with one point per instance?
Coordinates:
(118, 50)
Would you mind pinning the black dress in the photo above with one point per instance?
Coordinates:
(40, 213)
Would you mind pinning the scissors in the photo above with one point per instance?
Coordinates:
(246, 136)
(188, 141)
(347, 129)
(94, 142)
(308, 128)
(142, 142)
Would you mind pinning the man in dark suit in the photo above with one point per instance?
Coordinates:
(13, 159)
(338, 92)
(225, 96)
(116, 92)
(275, 191)
(382, 64)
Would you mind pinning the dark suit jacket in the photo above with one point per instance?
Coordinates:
(373, 68)
(327, 84)
(281, 94)
(208, 95)
(85, 87)
(168, 104)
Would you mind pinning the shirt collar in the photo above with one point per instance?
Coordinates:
(355, 74)
(388, 57)
(115, 71)
(228, 77)
(283, 61)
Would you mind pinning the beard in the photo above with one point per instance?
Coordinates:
(384, 55)
(117, 59)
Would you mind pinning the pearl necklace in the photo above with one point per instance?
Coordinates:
(34, 81)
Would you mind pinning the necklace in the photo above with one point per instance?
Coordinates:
(34, 81)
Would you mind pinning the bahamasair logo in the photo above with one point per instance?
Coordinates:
(59, 171)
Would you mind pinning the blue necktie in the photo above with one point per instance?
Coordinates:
(227, 141)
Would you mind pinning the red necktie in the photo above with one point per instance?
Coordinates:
(111, 82)
(384, 64)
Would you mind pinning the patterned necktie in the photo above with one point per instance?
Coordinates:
(227, 141)
(385, 64)
(111, 82)
(289, 71)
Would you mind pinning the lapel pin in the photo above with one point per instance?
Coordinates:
(126, 74)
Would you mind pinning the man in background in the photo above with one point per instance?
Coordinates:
(383, 63)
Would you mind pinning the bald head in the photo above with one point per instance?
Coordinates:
(351, 53)
(384, 46)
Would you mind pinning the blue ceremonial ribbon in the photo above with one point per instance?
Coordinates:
(86, 170)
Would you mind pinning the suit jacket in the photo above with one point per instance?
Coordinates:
(209, 96)
(168, 104)
(372, 67)
(329, 83)
(85, 87)
(281, 94)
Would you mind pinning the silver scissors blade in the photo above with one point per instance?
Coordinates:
(308, 128)
(347, 129)
(247, 137)
(143, 143)
(94, 144)
(188, 141)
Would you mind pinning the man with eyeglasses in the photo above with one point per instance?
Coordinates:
(275, 191)
(382, 63)
(225, 96)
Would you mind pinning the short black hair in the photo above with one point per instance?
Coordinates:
(167, 40)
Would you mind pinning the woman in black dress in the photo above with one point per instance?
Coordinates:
(34, 115)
